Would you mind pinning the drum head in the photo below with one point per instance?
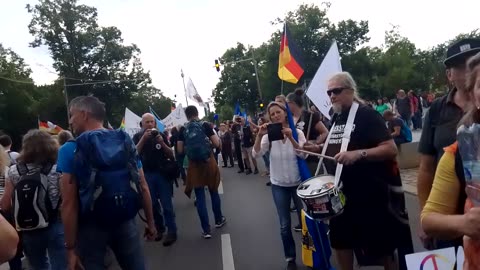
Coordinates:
(316, 186)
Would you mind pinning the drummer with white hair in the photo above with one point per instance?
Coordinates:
(367, 225)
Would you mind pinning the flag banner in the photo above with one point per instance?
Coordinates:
(49, 127)
(237, 109)
(290, 63)
(317, 90)
(193, 94)
(160, 125)
(301, 163)
(175, 118)
(132, 122)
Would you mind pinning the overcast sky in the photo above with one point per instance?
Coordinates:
(190, 34)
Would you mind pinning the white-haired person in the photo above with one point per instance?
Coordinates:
(368, 225)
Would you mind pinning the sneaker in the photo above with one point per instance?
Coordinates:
(160, 232)
(291, 265)
(298, 228)
(221, 223)
(170, 239)
(255, 171)
(268, 184)
(248, 171)
(241, 171)
(206, 235)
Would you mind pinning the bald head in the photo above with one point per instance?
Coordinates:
(148, 121)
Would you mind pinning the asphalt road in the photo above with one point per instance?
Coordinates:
(252, 228)
(249, 241)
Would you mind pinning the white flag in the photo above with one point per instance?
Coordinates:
(132, 122)
(193, 94)
(175, 118)
(317, 91)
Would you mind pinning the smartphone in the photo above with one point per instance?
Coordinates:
(275, 132)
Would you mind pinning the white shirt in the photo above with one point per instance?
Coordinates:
(283, 160)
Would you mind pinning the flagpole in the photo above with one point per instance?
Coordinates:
(184, 88)
(284, 37)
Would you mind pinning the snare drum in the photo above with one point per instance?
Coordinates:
(321, 198)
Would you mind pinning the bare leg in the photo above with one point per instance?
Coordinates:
(344, 259)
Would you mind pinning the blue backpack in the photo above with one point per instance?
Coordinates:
(406, 132)
(107, 175)
(197, 144)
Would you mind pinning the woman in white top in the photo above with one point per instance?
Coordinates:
(284, 173)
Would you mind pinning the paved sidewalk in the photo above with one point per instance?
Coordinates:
(409, 179)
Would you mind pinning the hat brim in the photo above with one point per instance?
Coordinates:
(455, 59)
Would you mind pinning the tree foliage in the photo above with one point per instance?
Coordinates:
(87, 55)
(378, 71)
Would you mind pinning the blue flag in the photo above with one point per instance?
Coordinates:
(302, 164)
(237, 109)
(160, 125)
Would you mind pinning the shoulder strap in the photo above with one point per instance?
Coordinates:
(46, 169)
(22, 168)
(346, 139)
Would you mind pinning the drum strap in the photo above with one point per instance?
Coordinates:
(345, 141)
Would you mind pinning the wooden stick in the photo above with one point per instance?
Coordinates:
(316, 154)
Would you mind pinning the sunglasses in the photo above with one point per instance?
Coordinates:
(337, 91)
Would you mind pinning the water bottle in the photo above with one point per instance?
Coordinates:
(468, 147)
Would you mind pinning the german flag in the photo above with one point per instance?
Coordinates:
(290, 64)
(49, 127)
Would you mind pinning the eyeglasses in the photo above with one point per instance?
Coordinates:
(337, 91)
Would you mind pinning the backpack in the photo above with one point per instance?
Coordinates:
(406, 132)
(32, 207)
(197, 144)
(107, 175)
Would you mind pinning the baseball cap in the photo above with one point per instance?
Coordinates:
(459, 51)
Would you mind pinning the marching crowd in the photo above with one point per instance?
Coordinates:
(71, 201)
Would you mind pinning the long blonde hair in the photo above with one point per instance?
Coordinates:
(4, 160)
(345, 79)
(473, 71)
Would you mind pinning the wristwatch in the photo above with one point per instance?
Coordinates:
(363, 154)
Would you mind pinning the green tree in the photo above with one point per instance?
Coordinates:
(17, 113)
(87, 55)
(313, 33)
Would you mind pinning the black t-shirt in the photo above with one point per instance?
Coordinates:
(303, 122)
(403, 106)
(247, 140)
(365, 180)
(206, 128)
(440, 126)
(152, 155)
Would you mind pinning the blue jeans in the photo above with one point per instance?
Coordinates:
(37, 244)
(124, 240)
(162, 189)
(282, 196)
(202, 208)
(266, 160)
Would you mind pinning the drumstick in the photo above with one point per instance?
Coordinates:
(316, 154)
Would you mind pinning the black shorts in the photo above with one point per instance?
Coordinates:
(364, 228)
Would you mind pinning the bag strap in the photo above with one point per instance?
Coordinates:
(22, 168)
(346, 139)
(324, 150)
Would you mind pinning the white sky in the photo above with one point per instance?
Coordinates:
(190, 34)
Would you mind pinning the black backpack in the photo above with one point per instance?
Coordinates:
(32, 207)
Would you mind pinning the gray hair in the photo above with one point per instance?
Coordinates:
(346, 80)
(89, 104)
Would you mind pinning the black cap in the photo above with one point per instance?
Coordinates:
(459, 51)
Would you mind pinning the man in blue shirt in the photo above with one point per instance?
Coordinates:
(86, 241)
